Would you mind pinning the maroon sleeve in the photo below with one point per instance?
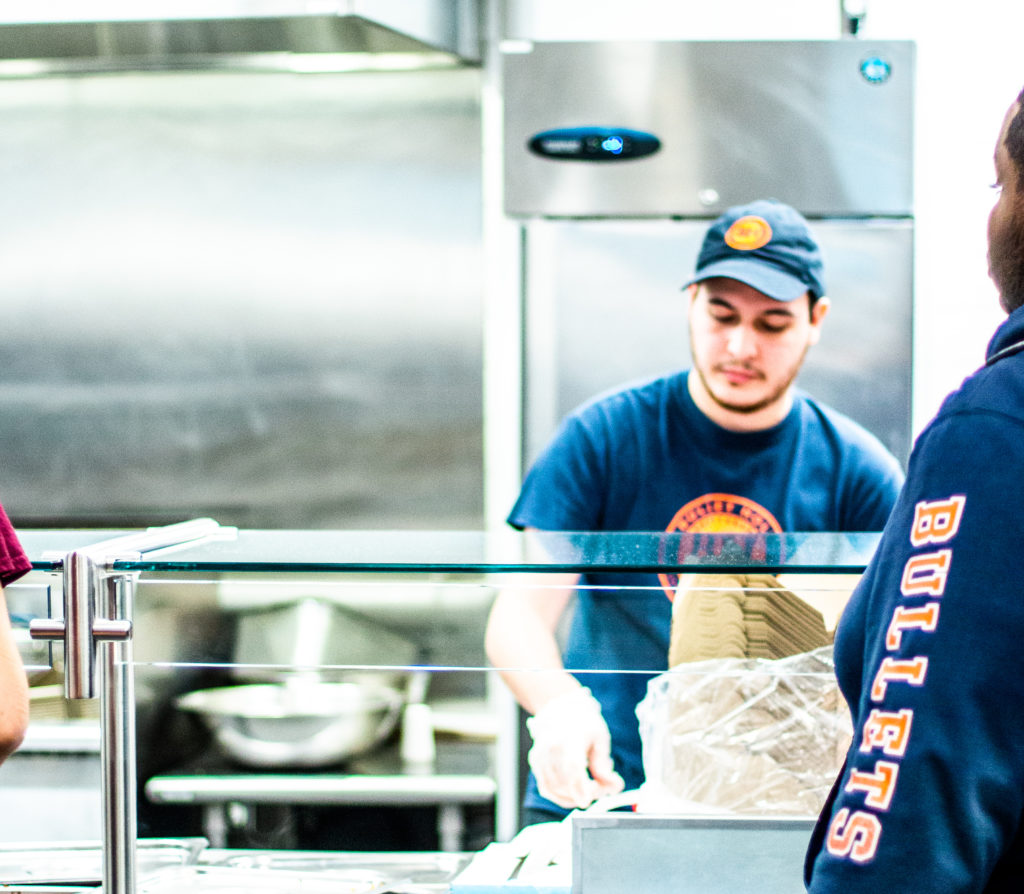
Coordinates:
(13, 561)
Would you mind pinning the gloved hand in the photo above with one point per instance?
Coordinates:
(571, 753)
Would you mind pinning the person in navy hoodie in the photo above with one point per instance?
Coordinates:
(929, 651)
(13, 682)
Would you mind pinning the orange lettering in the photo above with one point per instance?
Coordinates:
(926, 618)
(854, 835)
(925, 574)
(894, 670)
(937, 521)
(887, 730)
(878, 787)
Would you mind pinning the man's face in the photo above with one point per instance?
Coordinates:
(1006, 226)
(747, 349)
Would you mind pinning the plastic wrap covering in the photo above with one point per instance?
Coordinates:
(743, 736)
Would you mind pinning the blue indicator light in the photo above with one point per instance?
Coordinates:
(613, 145)
(587, 144)
(875, 70)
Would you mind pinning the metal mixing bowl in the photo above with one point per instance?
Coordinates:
(297, 723)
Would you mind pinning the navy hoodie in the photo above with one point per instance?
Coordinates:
(930, 657)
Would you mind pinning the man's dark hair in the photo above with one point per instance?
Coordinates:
(1015, 141)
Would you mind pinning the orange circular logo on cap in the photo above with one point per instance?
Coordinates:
(748, 233)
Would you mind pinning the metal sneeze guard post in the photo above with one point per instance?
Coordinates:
(96, 632)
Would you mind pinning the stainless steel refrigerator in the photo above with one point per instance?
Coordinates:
(618, 154)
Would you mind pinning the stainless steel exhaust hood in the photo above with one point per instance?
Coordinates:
(279, 35)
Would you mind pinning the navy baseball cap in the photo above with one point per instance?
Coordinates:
(766, 245)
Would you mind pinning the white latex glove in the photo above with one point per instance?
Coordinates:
(571, 753)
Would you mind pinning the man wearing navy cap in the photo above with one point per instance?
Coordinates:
(757, 304)
(729, 446)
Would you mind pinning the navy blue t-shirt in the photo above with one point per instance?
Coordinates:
(645, 458)
(929, 657)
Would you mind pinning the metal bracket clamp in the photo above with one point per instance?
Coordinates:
(86, 575)
(81, 629)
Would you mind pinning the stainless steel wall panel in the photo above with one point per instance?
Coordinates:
(255, 297)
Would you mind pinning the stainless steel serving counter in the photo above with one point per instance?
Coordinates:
(177, 864)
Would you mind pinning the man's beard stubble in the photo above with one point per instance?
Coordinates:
(773, 397)
(1006, 260)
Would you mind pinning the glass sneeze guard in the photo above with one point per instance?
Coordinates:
(472, 552)
(122, 558)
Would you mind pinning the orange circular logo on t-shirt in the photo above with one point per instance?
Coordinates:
(748, 233)
(718, 514)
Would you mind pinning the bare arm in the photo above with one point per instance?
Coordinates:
(521, 634)
(13, 688)
(571, 752)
